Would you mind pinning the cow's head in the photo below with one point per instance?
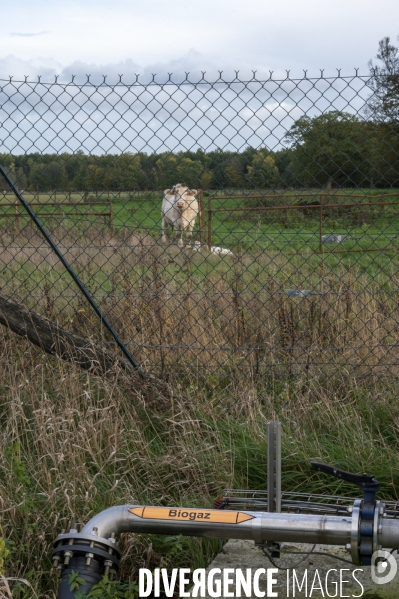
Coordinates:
(184, 195)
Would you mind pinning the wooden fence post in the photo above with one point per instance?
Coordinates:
(202, 224)
(209, 232)
(321, 249)
(16, 217)
(111, 220)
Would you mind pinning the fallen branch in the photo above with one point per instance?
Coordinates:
(57, 341)
(89, 355)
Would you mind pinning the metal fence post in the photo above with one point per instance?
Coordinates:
(274, 466)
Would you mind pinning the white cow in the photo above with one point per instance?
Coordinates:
(179, 210)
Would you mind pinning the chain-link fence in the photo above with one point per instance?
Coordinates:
(290, 189)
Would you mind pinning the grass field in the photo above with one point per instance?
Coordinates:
(368, 227)
(235, 348)
(185, 308)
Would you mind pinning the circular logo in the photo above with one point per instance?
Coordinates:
(383, 567)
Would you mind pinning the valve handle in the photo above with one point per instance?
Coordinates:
(365, 482)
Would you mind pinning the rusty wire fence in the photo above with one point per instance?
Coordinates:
(292, 187)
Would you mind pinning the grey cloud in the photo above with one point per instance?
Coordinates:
(11, 66)
(81, 70)
(166, 113)
(17, 34)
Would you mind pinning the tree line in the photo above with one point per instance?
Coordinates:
(334, 149)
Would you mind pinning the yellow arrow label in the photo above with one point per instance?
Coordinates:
(179, 514)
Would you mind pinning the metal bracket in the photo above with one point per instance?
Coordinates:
(365, 514)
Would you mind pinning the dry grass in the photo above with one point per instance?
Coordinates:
(231, 343)
(73, 445)
(188, 313)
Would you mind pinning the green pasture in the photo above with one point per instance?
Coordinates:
(372, 231)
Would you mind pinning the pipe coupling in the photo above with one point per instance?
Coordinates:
(73, 546)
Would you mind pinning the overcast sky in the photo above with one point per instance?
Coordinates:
(127, 36)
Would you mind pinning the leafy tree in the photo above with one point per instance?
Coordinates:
(95, 177)
(165, 171)
(206, 179)
(234, 172)
(383, 154)
(189, 171)
(49, 175)
(263, 171)
(329, 149)
(218, 159)
(124, 173)
(383, 104)
(79, 171)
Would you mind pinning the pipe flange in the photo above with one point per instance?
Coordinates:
(355, 532)
(377, 528)
(85, 550)
(368, 530)
(73, 545)
(81, 537)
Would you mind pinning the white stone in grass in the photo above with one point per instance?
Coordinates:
(298, 292)
(214, 249)
(333, 238)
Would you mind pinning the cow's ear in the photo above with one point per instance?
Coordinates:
(194, 192)
(168, 192)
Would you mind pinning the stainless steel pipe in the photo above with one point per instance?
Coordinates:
(256, 526)
(389, 533)
(94, 548)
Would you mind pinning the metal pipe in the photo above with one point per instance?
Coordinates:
(256, 526)
(51, 214)
(301, 206)
(46, 204)
(303, 195)
(94, 551)
(389, 533)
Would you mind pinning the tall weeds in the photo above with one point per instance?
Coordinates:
(238, 353)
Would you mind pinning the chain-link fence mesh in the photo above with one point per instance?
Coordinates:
(289, 188)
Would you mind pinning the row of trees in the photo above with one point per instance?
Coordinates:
(333, 149)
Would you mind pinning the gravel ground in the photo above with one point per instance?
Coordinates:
(244, 554)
